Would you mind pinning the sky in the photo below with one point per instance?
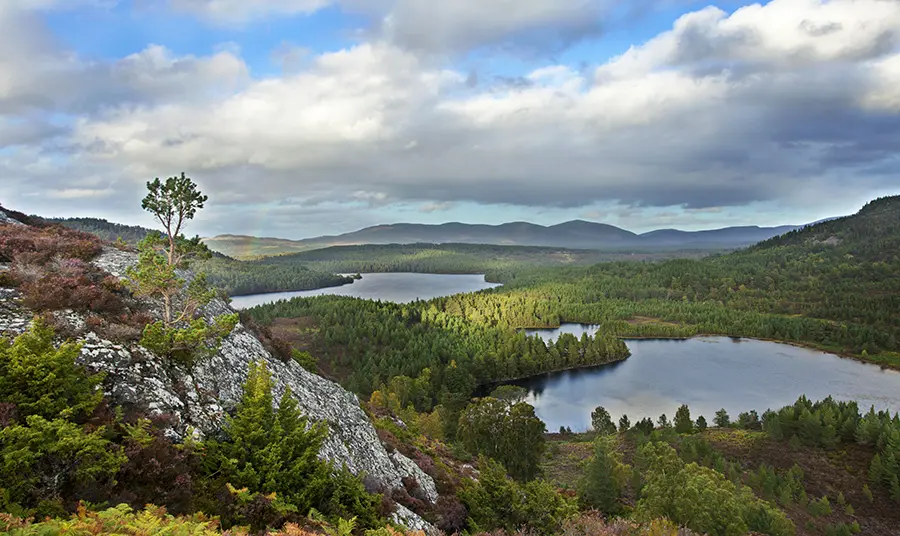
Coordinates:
(300, 118)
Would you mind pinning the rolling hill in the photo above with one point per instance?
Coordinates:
(576, 234)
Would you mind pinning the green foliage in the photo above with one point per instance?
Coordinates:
(510, 393)
(701, 498)
(867, 493)
(604, 477)
(843, 529)
(624, 423)
(155, 275)
(721, 419)
(819, 507)
(306, 360)
(683, 422)
(39, 378)
(275, 451)
(829, 423)
(507, 432)
(369, 343)
(236, 278)
(45, 460)
(435, 258)
(173, 203)
(495, 501)
(601, 422)
(190, 344)
(701, 424)
(180, 335)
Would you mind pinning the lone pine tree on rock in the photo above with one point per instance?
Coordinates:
(181, 334)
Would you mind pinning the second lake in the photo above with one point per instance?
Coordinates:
(706, 373)
(393, 287)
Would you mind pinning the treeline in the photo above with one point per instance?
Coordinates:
(452, 258)
(237, 278)
(106, 230)
(368, 343)
(829, 423)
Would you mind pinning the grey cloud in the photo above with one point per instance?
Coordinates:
(816, 29)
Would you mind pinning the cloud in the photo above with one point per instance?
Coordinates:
(433, 26)
(238, 12)
(428, 208)
(793, 100)
(466, 24)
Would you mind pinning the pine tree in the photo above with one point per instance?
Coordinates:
(701, 423)
(721, 420)
(683, 422)
(276, 451)
(663, 421)
(604, 478)
(876, 470)
(624, 423)
(602, 422)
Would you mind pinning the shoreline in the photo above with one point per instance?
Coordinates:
(498, 383)
(488, 387)
(291, 290)
(797, 344)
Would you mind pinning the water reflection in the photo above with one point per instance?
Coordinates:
(393, 287)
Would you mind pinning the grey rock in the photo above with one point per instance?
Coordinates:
(198, 400)
(406, 517)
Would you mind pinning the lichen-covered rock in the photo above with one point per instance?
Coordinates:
(14, 319)
(404, 516)
(199, 399)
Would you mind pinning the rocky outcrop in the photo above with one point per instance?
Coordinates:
(200, 399)
(6, 218)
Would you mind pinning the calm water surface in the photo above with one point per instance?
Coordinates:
(705, 373)
(393, 287)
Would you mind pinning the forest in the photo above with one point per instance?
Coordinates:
(456, 258)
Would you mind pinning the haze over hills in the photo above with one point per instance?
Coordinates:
(576, 234)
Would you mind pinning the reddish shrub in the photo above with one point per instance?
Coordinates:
(68, 284)
(45, 243)
(401, 496)
(157, 472)
(9, 414)
(450, 514)
(275, 345)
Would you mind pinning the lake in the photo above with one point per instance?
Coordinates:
(706, 373)
(393, 287)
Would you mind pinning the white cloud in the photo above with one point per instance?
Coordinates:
(782, 33)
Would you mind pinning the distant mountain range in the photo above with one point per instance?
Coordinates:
(576, 234)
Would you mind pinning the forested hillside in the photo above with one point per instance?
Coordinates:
(453, 258)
